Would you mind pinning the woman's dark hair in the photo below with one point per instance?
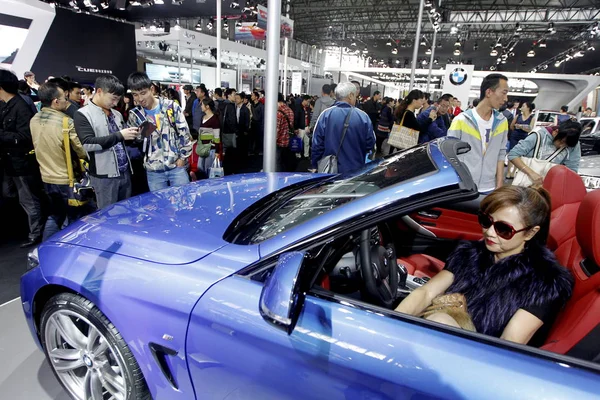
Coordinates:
(414, 94)
(492, 81)
(110, 84)
(138, 81)
(48, 92)
(173, 95)
(209, 103)
(571, 130)
(131, 102)
(533, 203)
(530, 105)
(387, 100)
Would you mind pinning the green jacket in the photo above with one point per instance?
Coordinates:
(481, 165)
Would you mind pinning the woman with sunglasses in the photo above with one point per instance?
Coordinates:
(512, 283)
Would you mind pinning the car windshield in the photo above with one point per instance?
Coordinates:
(283, 213)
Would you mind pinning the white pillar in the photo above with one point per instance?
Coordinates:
(285, 55)
(271, 85)
(416, 47)
(178, 62)
(218, 21)
(431, 58)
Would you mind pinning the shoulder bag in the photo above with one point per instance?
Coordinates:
(329, 164)
(402, 137)
(79, 191)
(541, 167)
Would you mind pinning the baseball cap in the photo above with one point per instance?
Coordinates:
(28, 73)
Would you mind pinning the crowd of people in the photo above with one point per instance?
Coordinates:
(140, 136)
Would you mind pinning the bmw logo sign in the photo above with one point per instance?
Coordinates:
(458, 76)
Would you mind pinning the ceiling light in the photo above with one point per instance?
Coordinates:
(578, 54)
(388, 43)
(423, 42)
(397, 61)
(494, 53)
(531, 53)
(199, 25)
(159, 2)
(365, 50)
(394, 51)
(428, 52)
(177, 2)
(104, 4)
(457, 43)
(238, 24)
(353, 44)
(453, 30)
(503, 61)
(456, 52)
(209, 25)
(153, 27)
(234, 5)
(73, 3)
(542, 44)
(519, 28)
(493, 68)
(591, 48)
(557, 64)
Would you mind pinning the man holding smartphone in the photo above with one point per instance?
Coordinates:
(169, 145)
(102, 131)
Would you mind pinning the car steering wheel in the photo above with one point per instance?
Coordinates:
(379, 270)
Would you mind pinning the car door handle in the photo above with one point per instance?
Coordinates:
(431, 214)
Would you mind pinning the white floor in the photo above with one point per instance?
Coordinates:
(24, 373)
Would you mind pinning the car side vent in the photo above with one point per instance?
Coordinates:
(161, 355)
(589, 267)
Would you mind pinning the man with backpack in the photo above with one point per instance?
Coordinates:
(167, 139)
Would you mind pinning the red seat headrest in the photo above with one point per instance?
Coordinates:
(588, 226)
(565, 186)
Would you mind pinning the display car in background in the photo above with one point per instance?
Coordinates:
(283, 286)
(590, 136)
(589, 169)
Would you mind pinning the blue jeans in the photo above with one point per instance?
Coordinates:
(158, 180)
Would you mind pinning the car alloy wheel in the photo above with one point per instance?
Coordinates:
(87, 354)
(83, 359)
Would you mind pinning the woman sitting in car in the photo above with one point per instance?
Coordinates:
(565, 138)
(513, 285)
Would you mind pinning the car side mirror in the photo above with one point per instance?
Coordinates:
(281, 298)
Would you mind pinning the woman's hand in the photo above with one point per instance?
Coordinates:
(536, 178)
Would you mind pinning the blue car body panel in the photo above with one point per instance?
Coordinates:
(338, 351)
(159, 268)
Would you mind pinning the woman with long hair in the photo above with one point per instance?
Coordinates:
(173, 95)
(209, 136)
(405, 112)
(386, 121)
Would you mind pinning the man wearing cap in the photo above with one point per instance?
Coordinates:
(190, 96)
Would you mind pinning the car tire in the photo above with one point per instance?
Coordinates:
(86, 352)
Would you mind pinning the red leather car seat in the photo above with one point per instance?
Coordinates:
(567, 191)
(582, 256)
(421, 265)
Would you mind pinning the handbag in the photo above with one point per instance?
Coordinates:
(541, 167)
(216, 169)
(203, 150)
(402, 137)
(329, 164)
(79, 191)
(455, 305)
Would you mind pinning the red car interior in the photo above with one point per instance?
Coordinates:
(581, 255)
(449, 224)
(567, 191)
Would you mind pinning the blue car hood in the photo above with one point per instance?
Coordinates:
(176, 225)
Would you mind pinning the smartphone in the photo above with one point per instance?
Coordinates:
(146, 129)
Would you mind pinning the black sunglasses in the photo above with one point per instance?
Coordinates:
(503, 229)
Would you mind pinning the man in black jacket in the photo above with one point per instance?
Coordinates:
(229, 132)
(190, 96)
(243, 127)
(372, 108)
(16, 152)
(257, 124)
(302, 122)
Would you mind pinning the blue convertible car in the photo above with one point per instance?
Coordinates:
(274, 286)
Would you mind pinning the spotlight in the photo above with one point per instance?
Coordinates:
(557, 64)
(423, 42)
(436, 61)
(542, 44)
(531, 53)
(365, 50)
(234, 5)
(518, 27)
(104, 5)
(456, 52)
(238, 24)
(388, 43)
(177, 2)
(73, 3)
(353, 44)
(493, 68)
(394, 51)
(457, 43)
(428, 52)
(199, 25)
(210, 23)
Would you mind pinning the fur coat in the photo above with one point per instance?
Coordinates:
(531, 280)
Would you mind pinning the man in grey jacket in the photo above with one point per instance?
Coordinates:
(322, 103)
(486, 130)
(102, 132)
